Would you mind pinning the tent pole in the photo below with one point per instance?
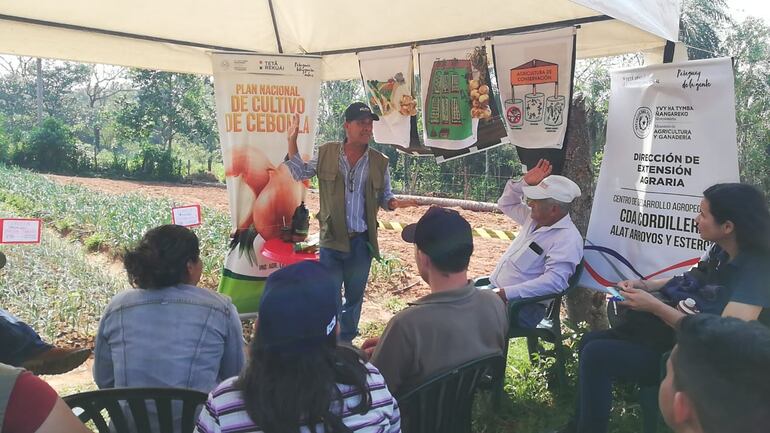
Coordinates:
(524, 29)
(668, 52)
(275, 27)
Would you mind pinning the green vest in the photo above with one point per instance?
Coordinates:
(331, 188)
(8, 376)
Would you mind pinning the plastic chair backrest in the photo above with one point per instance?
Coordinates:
(117, 402)
(554, 310)
(443, 403)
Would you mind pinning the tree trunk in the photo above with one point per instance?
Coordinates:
(583, 305)
(97, 143)
(39, 86)
(476, 206)
(210, 161)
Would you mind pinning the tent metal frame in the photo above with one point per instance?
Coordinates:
(512, 30)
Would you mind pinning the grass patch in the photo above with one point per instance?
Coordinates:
(95, 242)
(394, 305)
(371, 329)
(388, 269)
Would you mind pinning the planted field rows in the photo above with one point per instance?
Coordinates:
(107, 221)
(54, 286)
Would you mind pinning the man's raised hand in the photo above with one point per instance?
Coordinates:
(538, 172)
(293, 130)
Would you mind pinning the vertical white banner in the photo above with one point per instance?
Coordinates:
(388, 77)
(257, 96)
(534, 72)
(670, 135)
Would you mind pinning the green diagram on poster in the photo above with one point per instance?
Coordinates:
(448, 104)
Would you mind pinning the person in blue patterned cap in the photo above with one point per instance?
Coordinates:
(298, 378)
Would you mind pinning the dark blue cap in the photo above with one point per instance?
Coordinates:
(298, 309)
(359, 110)
(443, 234)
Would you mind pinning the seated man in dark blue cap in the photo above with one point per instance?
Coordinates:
(455, 323)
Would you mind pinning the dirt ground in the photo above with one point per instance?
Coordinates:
(378, 303)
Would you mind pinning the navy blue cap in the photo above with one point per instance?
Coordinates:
(441, 233)
(359, 110)
(298, 309)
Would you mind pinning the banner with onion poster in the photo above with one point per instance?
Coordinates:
(460, 115)
(534, 72)
(671, 133)
(257, 96)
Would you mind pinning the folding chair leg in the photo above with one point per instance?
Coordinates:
(561, 373)
(648, 400)
(533, 349)
(499, 386)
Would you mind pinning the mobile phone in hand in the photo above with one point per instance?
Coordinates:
(616, 296)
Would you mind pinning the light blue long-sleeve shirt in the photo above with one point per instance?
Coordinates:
(355, 185)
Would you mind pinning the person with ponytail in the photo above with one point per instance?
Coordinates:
(736, 274)
(299, 379)
(166, 331)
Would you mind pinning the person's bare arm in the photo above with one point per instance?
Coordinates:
(646, 285)
(292, 133)
(62, 420)
(642, 300)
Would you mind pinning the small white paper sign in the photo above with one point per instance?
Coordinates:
(187, 216)
(20, 231)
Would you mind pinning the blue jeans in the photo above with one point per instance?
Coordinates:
(531, 315)
(18, 342)
(605, 357)
(350, 270)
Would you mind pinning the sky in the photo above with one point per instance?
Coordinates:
(742, 8)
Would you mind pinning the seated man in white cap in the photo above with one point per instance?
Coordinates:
(547, 249)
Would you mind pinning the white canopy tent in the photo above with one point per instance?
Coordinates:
(180, 35)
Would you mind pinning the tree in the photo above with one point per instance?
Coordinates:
(18, 92)
(335, 97)
(700, 25)
(166, 106)
(749, 45)
(103, 83)
(51, 147)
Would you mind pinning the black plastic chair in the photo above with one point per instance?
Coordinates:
(549, 329)
(443, 403)
(134, 400)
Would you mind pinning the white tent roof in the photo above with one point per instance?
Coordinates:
(180, 35)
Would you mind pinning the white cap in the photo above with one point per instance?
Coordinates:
(556, 187)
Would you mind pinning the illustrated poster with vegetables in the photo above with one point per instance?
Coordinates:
(257, 97)
(534, 72)
(460, 115)
(388, 77)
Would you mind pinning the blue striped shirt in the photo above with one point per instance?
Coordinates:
(225, 411)
(355, 185)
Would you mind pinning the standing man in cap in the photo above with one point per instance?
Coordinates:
(547, 249)
(353, 182)
(455, 323)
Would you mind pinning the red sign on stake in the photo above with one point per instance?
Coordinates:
(20, 230)
(186, 216)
